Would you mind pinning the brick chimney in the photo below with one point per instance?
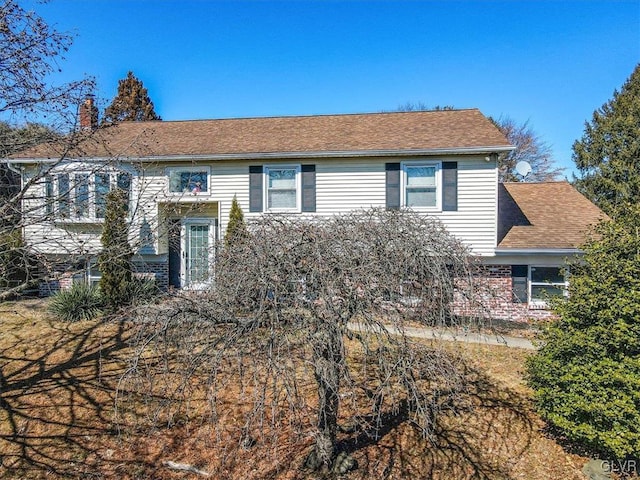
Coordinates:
(88, 114)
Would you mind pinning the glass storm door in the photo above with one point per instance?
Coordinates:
(198, 249)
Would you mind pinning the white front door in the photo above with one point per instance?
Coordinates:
(198, 240)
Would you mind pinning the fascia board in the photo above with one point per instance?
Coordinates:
(282, 155)
(539, 251)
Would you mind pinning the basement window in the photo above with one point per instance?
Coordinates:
(535, 285)
(545, 283)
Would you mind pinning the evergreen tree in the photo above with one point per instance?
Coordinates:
(14, 138)
(236, 228)
(608, 154)
(131, 104)
(586, 375)
(114, 261)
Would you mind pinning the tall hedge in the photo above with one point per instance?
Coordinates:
(586, 375)
(114, 261)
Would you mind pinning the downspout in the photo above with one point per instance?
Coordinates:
(17, 171)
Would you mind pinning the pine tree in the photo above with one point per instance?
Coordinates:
(114, 261)
(131, 104)
(586, 375)
(236, 228)
(608, 154)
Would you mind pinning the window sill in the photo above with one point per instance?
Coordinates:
(280, 212)
(78, 221)
(188, 194)
(538, 306)
(424, 209)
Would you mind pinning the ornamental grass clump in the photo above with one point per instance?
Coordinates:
(80, 302)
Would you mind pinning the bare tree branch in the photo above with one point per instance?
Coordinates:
(278, 317)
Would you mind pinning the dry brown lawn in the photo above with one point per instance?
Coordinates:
(57, 397)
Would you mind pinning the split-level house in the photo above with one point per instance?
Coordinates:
(183, 175)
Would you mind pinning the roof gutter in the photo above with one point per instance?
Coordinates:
(538, 251)
(290, 155)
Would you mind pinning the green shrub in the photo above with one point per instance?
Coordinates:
(80, 302)
(141, 291)
(13, 262)
(236, 228)
(586, 375)
(114, 261)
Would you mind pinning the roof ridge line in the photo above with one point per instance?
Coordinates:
(311, 115)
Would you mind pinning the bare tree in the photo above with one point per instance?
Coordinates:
(30, 53)
(530, 148)
(421, 107)
(51, 209)
(302, 303)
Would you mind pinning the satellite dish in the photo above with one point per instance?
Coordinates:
(523, 168)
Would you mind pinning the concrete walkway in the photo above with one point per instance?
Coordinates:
(464, 337)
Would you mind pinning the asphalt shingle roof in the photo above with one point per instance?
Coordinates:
(399, 131)
(544, 215)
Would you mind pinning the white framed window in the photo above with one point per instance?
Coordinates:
(421, 185)
(282, 188)
(189, 180)
(93, 274)
(546, 282)
(80, 196)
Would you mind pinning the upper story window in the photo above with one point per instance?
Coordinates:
(282, 188)
(82, 196)
(421, 185)
(188, 180)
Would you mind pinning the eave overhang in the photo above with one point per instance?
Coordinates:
(277, 155)
(538, 251)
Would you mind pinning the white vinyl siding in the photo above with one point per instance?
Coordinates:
(342, 185)
(475, 221)
(349, 184)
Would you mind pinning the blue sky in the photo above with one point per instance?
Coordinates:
(551, 63)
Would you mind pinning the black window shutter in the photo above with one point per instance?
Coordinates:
(308, 188)
(449, 186)
(255, 188)
(392, 175)
(519, 289)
